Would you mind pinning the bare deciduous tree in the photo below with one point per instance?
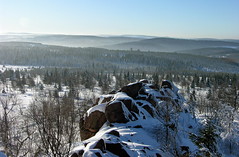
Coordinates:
(56, 123)
(13, 133)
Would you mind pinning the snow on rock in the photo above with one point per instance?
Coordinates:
(100, 107)
(104, 98)
(141, 119)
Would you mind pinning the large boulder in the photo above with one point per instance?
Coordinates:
(129, 103)
(170, 85)
(100, 145)
(166, 84)
(131, 106)
(114, 132)
(115, 112)
(117, 149)
(152, 100)
(149, 109)
(85, 134)
(132, 89)
(91, 124)
(95, 121)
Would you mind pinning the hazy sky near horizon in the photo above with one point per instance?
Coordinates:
(171, 18)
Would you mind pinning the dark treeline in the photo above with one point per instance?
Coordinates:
(116, 78)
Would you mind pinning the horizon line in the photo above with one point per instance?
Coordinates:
(116, 35)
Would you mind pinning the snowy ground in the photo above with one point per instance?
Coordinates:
(16, 67)
(25, 99)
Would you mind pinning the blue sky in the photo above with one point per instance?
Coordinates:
(171, 18)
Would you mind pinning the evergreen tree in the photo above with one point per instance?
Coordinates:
(30, 81)
(207, 137)
(193, 84)
(155, 78)
(208, 83)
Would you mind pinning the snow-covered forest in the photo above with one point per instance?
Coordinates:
(41, 107)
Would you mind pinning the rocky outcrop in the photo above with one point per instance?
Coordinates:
(118, 108)
(106, 127)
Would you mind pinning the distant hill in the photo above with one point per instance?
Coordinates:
(172, 44)
(232, 40)
(124, 42)
(69, 40)
(227, 48)
(231, 54)
(214, 51)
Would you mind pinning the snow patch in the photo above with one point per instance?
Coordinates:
(100, 107)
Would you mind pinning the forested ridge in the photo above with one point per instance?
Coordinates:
(35, 54)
